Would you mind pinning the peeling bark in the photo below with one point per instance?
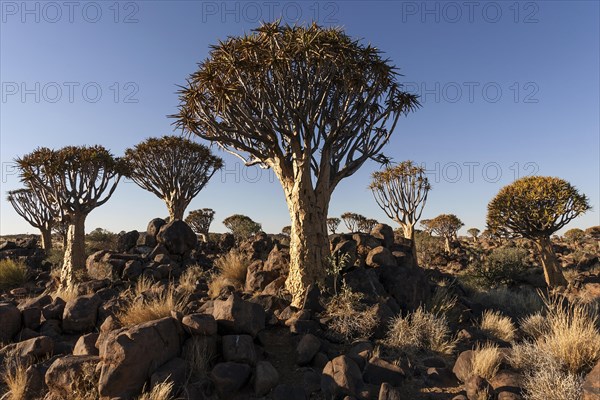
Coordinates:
(552, 269)
(46, 239)
(75, 251)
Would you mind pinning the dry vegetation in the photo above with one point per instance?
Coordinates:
(486, 360)
(146, 304)
(497, 326)
(12, 274)
(15, 379)
(348, 317)
(231, 271)
(162, 391)
(419, 331)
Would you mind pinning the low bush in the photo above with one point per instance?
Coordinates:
(503, 266)
(486, 360)
(146, 305)
(348, 317)
(12, 274)
(497, 326)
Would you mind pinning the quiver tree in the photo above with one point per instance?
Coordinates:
(200, 220)
(446, 226)
(36, 212)
(332, 224)
(351, 220)
(365, 225)
(574, 235)
(75, 180)
(241, 226)
(309, 102)
(474, 232)
(534, 207)
(426, 224)
(173, 168)
(401, 192)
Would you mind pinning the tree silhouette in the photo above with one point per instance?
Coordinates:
(332, 224)
(76, 179)
(401, 192)
(173, 168)
(309, 102)
(29, 206)
(534, 207)
(200, 220)
(474, 232)
(446, 226)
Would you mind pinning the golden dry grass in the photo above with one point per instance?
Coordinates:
(420, 330)
(534, 325)
(198, 355)
(66, 293)
(162, 391)
(12, 274)
(497, 326)
(15, 379)
(574, 338)
(190, 277)
(233, 265)
(147, 304)
(486, 360)
(348, 317)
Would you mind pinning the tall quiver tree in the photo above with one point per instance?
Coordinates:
(401, 192)
(200, 220)
(534, 207)
(309, 102)
(39, 215)
(173, 168)
(76, 179)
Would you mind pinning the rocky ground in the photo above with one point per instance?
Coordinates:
(162, 313)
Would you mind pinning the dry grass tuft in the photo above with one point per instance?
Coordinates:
(147, 304)
(15, 378)
(516, 303)
(67, 293)
(486, 360)
(190, 278)
(348, 317)
(12, 274)
(233, 265)
(198, 353)
(420, 330)
(535, 325)
(162, 391)
(442, 302)
(574, 338)
(497, 326)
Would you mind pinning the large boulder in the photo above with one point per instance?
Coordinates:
(200, 324)
(229, 377)
(101, 265)
(379, 257)
(265, 378)
(80, 314)
(11, 322)
(408, 285)
(379, 371)
(177, 237)
(341, 377)
(462, 366)
(127, 241)
(384, 233)
(71, 374)
(236, 315)
(591, 384)
(239, 348)
(131, 355)
(29, 350)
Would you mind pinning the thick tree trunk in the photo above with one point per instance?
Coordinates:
(409, 233)
(75, 251)
(447, 244)
(176, 208)
(46, 239)
(552, 269)
(309, 242)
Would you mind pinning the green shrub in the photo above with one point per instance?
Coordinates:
(504, 265)
(12, 274)
(428, 248)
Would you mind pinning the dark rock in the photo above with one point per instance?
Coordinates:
(235, 315)
(462, 366)
(132, 270)
(341, 377)
(229, 377)
(239, 348)
(177, 237)
(591, 384)
(378, 371)
(388, 392)
(200, 324)
(131, 355)
(379, 257)
(86, 345)
(80, 314)
(345, 249)
(307, 348)
(71, 374)
(127, 241)
(478, 388)
(173, 371)
(312, 299)
(385, 233)
(407, 285)
(265, 379)
(154, 226)
(29, 350)
(287, 392)
(11, 322)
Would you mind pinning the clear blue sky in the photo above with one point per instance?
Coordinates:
(508, 88)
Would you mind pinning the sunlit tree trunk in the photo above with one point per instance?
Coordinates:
(409, 233)
(552, 269)
(74, 260)
(46, 235)
(176, 208)
(309, 241)
(447, 244)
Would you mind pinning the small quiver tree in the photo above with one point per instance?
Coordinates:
(241, 226)
(200, 220)
(332, 224)
(36, 212)
(474, 232)
(534, 207)
(446, 226)
(173, 168)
